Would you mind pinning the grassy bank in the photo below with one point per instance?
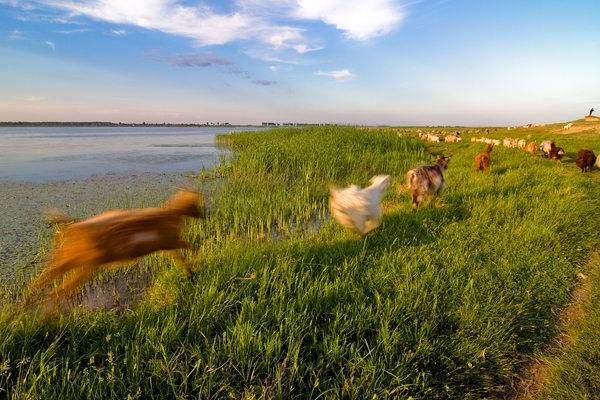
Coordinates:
(443, 303)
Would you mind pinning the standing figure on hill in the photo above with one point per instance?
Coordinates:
(482, 161)
(591, 111)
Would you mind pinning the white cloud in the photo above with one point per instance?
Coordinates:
(119, 32)
(343, 74)
(274, 68)
(72, 31)
(360, 19)
(51, 44)
(274, 24)
(302, 48)
(200, 22)
(16, 34)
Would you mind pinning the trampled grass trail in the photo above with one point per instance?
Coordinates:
(446, 302)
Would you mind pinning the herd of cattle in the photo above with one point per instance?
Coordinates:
(359, 208)
(585, 159)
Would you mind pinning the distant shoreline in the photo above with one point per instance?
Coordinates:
(12, 124)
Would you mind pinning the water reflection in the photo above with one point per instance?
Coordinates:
(55, 154)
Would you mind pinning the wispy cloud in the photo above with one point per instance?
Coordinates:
(251, 21)
(262, 82)
(119, 32)
(195, 60)
(239, 71)
(16, 34)
(274, 68)
(201, 23)
(302, 48)
(107, 112)
(343, 74)
(51, 44)
(35, 98)
(72, 31)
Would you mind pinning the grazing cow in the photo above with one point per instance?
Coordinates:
(426, 179)
(452, 138)
(531, 147)
(546, 146)
(482, 161)
(509, 142)
(357, 208)
(117, 237)
(556, 153)
(433, 138)
(585, 160)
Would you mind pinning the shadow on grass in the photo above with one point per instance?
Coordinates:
(498, 170)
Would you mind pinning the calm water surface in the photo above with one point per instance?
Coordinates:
(54, 154)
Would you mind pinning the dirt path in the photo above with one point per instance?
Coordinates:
(535, 371)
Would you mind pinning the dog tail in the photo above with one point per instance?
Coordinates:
(57, 217)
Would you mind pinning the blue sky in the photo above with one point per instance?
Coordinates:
(369, 62)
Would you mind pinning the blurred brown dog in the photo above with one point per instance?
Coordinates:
(114, 238)
(483, 161)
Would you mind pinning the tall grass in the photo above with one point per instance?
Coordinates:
(442, 303)
(279, 179)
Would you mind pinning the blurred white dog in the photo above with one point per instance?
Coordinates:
(358, 208)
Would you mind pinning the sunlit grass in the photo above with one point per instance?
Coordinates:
(442, 303)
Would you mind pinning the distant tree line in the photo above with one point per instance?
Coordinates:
(98, 123)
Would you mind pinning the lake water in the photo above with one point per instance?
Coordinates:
(56, 154)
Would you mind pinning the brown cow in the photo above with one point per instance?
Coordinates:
(585, 160)
(531, 147)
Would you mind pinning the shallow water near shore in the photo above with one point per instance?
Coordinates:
(86, 171)
(26, 236)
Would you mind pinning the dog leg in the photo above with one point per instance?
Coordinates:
(179, 259)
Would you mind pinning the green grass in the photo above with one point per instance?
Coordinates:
(447, 302)
(572, 371)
